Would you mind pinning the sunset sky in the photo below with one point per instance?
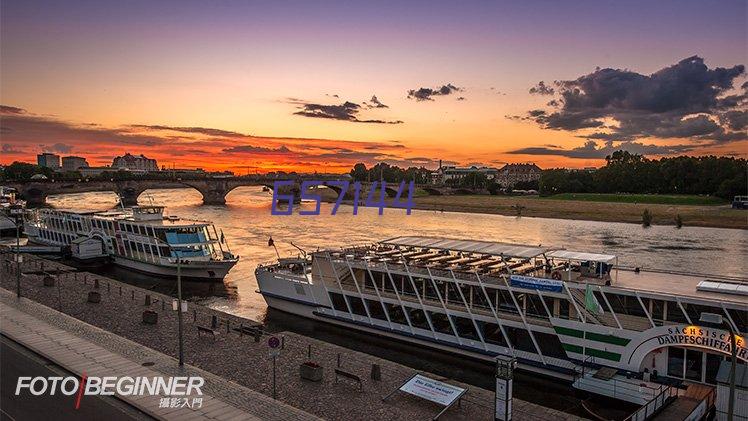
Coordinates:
(266, 85)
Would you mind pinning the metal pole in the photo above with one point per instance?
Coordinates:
(179, 310)
(734, 349)
(18, 259)
(274, 394)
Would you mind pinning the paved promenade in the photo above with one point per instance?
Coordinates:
(239, 358)
(79, 352)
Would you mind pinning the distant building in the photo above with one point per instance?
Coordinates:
(453, 174)
(94, 171)
(135, 163)
(511, 174)
(48, 160)
(72, 163)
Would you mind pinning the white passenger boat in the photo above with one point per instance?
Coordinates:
(559, 312)
(140, 238)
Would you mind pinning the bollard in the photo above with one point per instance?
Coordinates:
(241, 329)
(163, 304)
(147, 299)
(258, 335)
(283, 342)
(150, 317)
(108, 287)
(94, 297)
(96, 283)
(376, 372)
(309, 352)
(194, 316)
(213, 321)
(75, 276)
(132, 295)
(227, 325)
(338, 360)
(120, 290)
(49, 281)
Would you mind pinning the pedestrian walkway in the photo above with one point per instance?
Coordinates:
(78, 347)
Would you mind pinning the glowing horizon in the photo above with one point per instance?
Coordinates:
(257, 87)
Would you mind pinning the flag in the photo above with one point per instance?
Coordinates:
(223, 239)
(590, 301)
(271, 243)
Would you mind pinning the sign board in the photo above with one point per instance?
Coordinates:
(274, 342)
(503, 399)
(432, 390)
(174, 305)
(274, 352)
(541, 284)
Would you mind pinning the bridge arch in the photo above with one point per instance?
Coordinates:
(432, 191)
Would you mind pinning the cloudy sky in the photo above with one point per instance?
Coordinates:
(258, 86)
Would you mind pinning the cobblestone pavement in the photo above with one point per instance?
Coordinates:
(244, 359)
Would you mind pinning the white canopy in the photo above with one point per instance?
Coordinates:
(469, 246)
(583, 257)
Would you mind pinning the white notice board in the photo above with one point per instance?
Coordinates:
(433, 390)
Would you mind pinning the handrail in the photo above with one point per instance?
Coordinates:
(651, 407)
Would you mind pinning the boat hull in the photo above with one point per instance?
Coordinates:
(212, 271)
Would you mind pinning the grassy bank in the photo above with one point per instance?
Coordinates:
(663, 213)
(663, 199)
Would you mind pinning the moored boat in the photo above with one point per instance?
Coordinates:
(140, 238)
(561, 313)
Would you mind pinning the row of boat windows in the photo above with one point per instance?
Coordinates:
(531, 303)
(449, 324)
(63, 224)
(56, 236)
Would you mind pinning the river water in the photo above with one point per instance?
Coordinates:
(247, 224)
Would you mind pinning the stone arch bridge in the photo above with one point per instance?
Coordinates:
(213, 190)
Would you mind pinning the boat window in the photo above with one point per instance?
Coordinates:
(675, 357)
(492, 334)
(376, 310)
(657, 311)
(441, 323)
(694, 359)
(431, 290)
(396, 313)
(478, 298)
(563, 308)
(357, 305)
(534, 306)
(740, 317)
(418, 318)
(694, 311)
(674, 313)
(550, 345)
(338, 302)
(504, 301)
(465, 328)
(626, 304)
(408, 286)
(520, 339)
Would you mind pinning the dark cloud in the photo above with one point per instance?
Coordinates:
(258, 150)
(347, 111)
(6, 109)
(592, 150)
(426, 94)
(200, 130)
(375, 103)
(542, 89)
(685, 100)
(57, 147)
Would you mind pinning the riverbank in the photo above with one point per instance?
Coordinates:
(714, 216)
(234, 353)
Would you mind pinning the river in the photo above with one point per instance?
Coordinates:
(247, 224)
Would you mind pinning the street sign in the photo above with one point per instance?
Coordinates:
(274, 352)
(274, 342)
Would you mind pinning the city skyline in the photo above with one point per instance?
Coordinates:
(252, 87)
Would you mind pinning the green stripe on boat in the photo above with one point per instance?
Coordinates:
(612, 356)
(597, 337)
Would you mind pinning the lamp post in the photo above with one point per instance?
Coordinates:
(17, 212)
(717, 320)
(179, 308)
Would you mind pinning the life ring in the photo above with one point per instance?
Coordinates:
(556, 275)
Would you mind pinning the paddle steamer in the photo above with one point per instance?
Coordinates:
(140, 238)
(559, 312)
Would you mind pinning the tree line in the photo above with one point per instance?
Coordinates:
(624, 172)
